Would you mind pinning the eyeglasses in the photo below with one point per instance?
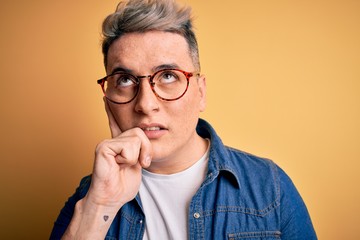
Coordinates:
(167, 84)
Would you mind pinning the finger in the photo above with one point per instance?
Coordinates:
(114, 127)
(145, 147)
(120, 151)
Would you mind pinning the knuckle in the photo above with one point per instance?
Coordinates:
(132, 141)
(102, 147)
(138, 132)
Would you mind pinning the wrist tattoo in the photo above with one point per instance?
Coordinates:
(106, 217)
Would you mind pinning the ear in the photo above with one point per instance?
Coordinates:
(202, 91)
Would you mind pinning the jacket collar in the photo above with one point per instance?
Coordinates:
(219, 155)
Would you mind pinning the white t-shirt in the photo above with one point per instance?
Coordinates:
(166, 198)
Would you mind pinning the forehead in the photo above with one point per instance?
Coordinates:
(141, 52)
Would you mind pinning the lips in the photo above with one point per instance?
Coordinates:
(153, 130)
(151, 126)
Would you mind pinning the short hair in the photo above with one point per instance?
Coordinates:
(147, 15)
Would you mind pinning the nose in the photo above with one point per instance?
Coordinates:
(146, 100)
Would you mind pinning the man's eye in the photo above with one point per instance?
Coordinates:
(168, 77)
(124, 81)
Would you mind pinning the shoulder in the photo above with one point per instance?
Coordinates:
(255, 174)
(241, 160)
(259, 171)
(242, 164)
(252, 173)
(250, 168)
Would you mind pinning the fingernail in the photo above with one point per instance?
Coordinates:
(147, 161)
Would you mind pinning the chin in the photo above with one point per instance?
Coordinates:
(160, 153)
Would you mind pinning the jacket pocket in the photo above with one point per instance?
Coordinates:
(264, 235)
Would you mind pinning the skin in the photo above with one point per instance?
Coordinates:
(172, 147)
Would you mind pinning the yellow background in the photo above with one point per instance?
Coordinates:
(283, 82)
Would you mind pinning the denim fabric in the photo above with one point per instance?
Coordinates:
(242, 197)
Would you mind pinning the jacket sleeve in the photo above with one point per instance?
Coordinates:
(67, 211)
(295, 219)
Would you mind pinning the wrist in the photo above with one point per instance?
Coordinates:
(97, 211)
(97, 201)
(90, 220)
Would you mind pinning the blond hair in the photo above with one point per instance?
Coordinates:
(147, 15)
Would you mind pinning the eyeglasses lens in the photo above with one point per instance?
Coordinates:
(166, 84)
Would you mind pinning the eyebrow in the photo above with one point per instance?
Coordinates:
(154, 69)
(121, 69)
(165, 66)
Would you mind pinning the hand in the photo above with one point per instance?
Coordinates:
(115, 181)
(118, 162)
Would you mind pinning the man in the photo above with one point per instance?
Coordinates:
(165, 174)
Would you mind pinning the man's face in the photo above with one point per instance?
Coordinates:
(170, 125)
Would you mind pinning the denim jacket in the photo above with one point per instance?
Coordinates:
(242, 197)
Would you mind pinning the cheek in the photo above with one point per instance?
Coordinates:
(188, 109)
(122, 116)
(193, 101)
